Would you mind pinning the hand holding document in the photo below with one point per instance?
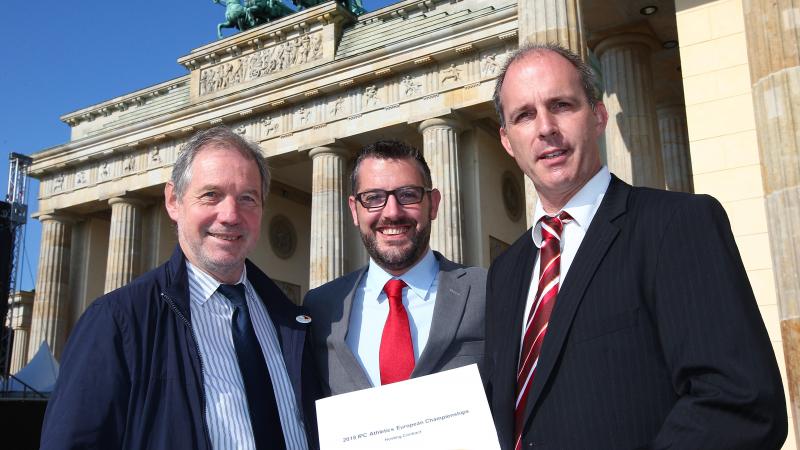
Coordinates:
(446, 410)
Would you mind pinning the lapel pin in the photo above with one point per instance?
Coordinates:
(303, 319)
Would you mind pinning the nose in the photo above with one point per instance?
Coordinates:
(547, 125)
(393, 208)
(228, 211)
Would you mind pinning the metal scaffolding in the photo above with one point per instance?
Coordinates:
(17, 216)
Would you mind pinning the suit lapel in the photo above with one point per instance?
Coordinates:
(594, 246)
(338, 340)
(451, 299)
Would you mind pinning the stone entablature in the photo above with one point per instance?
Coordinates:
(411, 83)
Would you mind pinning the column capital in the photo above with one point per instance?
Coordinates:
(625, 39)
(127, 199)
(57, 216)
(450, 121)
(332, 149)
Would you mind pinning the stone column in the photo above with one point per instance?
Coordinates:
(675, 148)
(124, 242)
(21, 311)
(773, 46)
(440, 138)
(327, 214)
(51, 305)
(633, 148)
(556, 21)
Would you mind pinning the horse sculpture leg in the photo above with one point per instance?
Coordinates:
(221, 26)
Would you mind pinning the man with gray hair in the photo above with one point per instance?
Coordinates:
(623, 318)
(203, 352)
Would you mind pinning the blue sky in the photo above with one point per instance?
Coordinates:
(58, 57)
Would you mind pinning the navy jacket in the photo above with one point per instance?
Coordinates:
(131, 375)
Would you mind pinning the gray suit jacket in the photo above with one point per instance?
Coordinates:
(456, 336)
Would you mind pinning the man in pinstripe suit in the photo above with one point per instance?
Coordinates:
(159, 363)
(644, 332)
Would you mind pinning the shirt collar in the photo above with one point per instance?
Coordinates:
(581, 206)
(206, 285)
(419, 277)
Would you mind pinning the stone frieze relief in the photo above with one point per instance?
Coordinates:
(287, 54)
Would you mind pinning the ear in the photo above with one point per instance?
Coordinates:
(436, 197)
(171, 201)
(506, 143)
(351, 201)
(601, 117)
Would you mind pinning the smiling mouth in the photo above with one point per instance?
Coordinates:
(225, 237)
(553, 155)
(394, 231)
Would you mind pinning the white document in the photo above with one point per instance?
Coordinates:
(443, 411)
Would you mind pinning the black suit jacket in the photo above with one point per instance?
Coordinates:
(655, 340)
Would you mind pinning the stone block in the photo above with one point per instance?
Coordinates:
(731, 184)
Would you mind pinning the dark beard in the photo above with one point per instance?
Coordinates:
(398, 260)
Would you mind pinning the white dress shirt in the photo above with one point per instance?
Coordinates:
(371, 308)
(227, 414)
(582, 207)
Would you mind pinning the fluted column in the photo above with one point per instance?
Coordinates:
(21, 311)
(675, 148)
(773, 47)
(124, 242)
(633, 148)
(556, 21)
(327, 214)
(440, 138)
(51, 304)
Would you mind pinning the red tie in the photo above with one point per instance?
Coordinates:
(536, 326)
(397, 352)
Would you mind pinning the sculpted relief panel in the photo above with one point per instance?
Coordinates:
(112, 168)
(287, 54)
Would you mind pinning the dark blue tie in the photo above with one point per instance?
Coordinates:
(264, 416)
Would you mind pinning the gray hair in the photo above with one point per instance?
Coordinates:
(587, 75)
(220, 136)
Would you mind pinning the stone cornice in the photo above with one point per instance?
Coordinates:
(123, 102)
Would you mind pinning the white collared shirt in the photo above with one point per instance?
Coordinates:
(582, 207)
(227, 414)
(370, 309)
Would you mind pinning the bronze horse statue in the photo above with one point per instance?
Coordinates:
(252, 14)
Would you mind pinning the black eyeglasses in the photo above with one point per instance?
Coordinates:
(406, 195)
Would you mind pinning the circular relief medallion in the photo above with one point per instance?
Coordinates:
(513, 199)
(282, 236)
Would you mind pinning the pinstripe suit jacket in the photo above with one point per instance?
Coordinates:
(655, 340)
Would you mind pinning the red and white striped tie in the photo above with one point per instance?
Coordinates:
(536, 325)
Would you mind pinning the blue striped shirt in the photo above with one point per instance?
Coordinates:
(226, 403)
